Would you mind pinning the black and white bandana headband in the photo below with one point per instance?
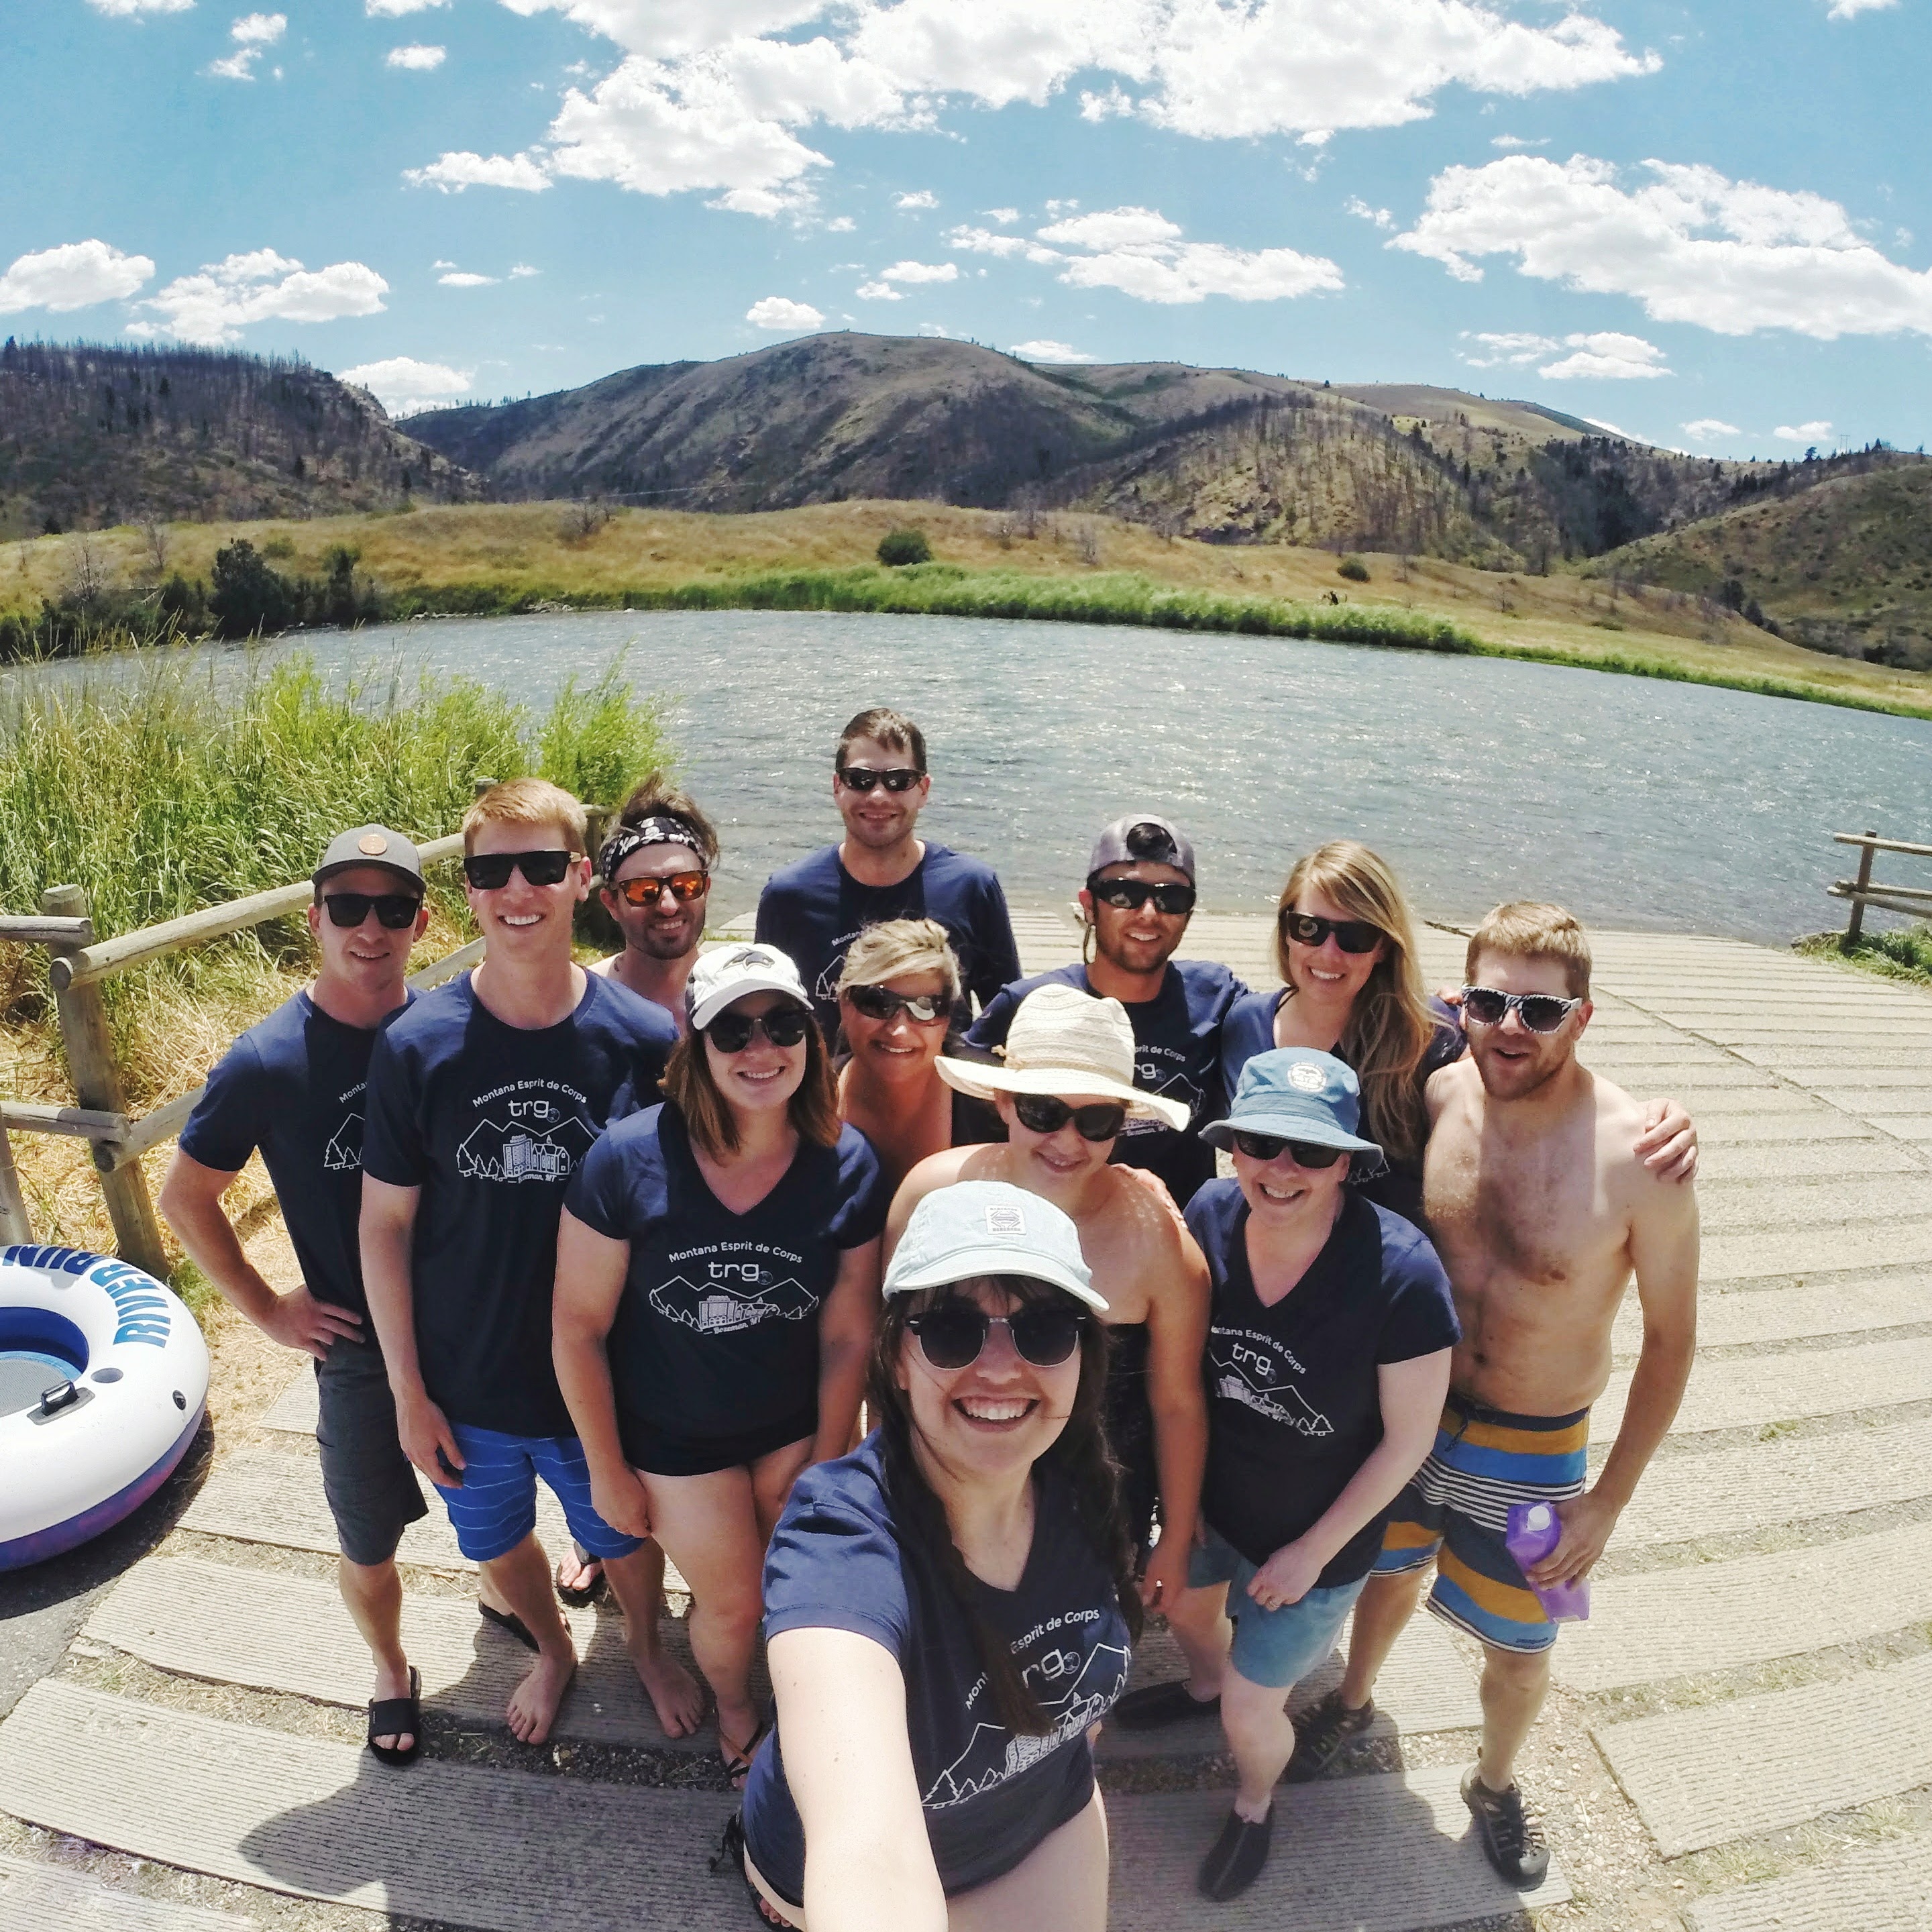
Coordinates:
(661, 829)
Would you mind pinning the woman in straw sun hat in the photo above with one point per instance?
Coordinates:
(1327, 1361)
(949, 1608)
(1064, 1090)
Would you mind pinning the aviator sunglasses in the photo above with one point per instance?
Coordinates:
(683, 886)
(393, 910)
(863, 778)
(1541, 1012)
(1132, 894)
(1045, 1334)
(1042, 1114)
(490, 871)
(1352, 935)
(1303, 1153)
(881, 1002)
(783, 1026)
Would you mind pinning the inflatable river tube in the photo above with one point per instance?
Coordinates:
(103, 1377)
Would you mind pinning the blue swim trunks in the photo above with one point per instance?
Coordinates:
(1455, 1509)
(495, 1507)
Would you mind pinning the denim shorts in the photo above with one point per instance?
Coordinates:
(494, 1506)
(1275, 1648)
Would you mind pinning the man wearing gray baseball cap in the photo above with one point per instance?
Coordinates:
(293, 1087)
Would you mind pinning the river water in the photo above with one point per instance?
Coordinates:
(1634, 802)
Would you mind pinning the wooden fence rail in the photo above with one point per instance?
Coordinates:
(1915, 900)
(78, 964)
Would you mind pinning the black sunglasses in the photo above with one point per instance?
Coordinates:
(1303, 1153)
(1352, 935)
(1045, 1334)
(863, 778)
(783, 1026)
(1135, 893)
(683, 886)
(393, 910)
(1042, 1114)
(881, 1002)
(490, 871)
(1541, 1012)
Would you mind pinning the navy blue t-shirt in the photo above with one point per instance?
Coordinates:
(1176, 1054)
(717, 1329)
(1250, 1030)
(1294, 1401)
(813, 910)
(990, 1796)
(491, 1121)
(292, 1085)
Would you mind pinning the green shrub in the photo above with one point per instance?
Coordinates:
(905, 546)
(1354, 569)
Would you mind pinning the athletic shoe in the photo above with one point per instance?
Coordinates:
(1512, 1838)
(1237, 1857)
(1320, 1735)
(1158, 1704)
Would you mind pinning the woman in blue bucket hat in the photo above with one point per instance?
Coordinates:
(1328, 1359)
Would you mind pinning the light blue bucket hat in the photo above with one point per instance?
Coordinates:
(1296, 1093)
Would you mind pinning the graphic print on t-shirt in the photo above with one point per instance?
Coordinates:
(343, 1154)
(726, 1296)
(1076, 1688)
(1252, 1369)
(531, 1130)
(826, 988)
(1160, 1069)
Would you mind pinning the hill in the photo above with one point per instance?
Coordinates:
(92, 437)
(1840, 564)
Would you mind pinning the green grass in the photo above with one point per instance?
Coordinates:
(1905, 954)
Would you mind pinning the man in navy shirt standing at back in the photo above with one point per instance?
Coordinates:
(1138, 897)
(813, 910)
(484, 1099)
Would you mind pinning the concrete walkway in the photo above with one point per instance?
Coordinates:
(1757, 1662)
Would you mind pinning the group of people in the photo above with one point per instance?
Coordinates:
(898, 1301)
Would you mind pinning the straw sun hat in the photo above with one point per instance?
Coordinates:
(1063, 1041)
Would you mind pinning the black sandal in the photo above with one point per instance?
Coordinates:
(508, 1620)
(391, 1717)
(737, 1759)
(577, 1595)
(731, 1851)
(1169, 1703)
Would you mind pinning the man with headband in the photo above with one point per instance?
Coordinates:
(654, 875)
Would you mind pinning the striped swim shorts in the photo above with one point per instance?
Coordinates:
(1456, 1510)
(494, 1506)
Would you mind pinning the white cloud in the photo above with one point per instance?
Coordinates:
(1114, 228)
(1811, 432)
(416, 59)
(1607, 355)
(251, 33)
(75, 275)
(1688, 243)
(878, 292)
(938, 329)
(1362, 211)
(921, 272)
(1510, 143)
(779, 312)
(1045, 351)
(1710, 429)
(460, 279)
(840, 224)
(984, 242)
(1005, 217)
(923, 198)
(663, 27)
(1515, 351)
(128, 10)
(403, 385)
(1140, 252)
(453, 172)
(394, 9)
(1846, 10)
(215, 305)
(522, 271)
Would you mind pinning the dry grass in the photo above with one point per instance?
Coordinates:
(537, 550)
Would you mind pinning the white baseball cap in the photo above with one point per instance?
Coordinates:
(989, 1227)
(728, 972)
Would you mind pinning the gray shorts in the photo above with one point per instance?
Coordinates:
(372, 1489)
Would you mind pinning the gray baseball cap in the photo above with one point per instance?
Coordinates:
(370, 845)
(989, 1227)
(1143, 835)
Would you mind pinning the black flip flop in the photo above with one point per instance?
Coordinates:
(730, 1853)
(508, 1621)
(578, 1595)
(737, 1759)
(390, 1717)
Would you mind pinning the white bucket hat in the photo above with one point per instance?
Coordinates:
(1064, 1041)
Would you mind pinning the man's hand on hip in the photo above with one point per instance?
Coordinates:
(298, 1321)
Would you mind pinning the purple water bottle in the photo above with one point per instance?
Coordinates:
(1533, 1532)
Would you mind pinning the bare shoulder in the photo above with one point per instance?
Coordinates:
(604, 968)
(1450, 1088)
(1619, 1120)
(938, 1170)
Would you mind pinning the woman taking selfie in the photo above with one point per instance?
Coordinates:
(948, 1608)
(718, 1271)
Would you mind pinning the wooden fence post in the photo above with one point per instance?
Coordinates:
(97, 1083)
(1856, 923)
(14, 1225)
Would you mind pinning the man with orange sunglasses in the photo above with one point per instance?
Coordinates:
(654, 876)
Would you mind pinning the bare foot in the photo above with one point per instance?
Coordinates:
(675, 1694)
(533, 1704)
(392, 1684)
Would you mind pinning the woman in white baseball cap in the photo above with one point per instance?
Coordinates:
(949, 1610)
(718, 1283)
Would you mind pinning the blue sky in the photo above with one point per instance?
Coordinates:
(1709, 225)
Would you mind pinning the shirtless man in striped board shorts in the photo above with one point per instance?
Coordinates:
(1542, 1214)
